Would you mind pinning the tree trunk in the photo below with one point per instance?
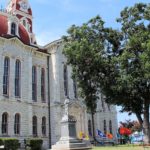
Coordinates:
(93, 125)
(146, 128)
(139, 118)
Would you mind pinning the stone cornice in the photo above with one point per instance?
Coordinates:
(20, 44)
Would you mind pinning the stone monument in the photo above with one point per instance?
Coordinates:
(68, 140)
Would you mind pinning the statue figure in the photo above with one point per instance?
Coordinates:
(66, 103)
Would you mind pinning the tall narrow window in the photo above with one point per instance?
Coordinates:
(108, 105)
(75, 88)
(34, 84)
(5, 123)
(65, 80)
(34, 125)
(43, 85)
(17, 124)
(110, 126)
(17, 78)
(90, 127)
(44, 126)
(6, 76)
(13, 29)
(103, 105)
(105, 127)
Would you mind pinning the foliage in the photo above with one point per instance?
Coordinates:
(1, 142)
(36, 144)
(114, 63)
(10, 143)
(132, 125)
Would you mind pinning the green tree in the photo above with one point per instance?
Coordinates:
(85, 52)
(114, 63)
(134, 61)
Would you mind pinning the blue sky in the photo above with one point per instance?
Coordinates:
(53, 17)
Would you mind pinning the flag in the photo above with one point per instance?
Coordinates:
(87, 137)
(101, 134)
(109, 135)
(80, 135)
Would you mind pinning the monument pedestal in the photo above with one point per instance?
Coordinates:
(68, 140)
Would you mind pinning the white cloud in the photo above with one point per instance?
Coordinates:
(46, 37)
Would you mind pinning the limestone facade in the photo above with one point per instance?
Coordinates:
(51, 59)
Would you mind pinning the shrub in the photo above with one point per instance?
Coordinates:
(9, 143)
(1, 142)
(36, 144)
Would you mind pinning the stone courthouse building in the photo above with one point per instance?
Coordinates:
(34, 82)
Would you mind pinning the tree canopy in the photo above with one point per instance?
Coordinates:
(116, 63)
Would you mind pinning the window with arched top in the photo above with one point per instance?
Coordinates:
(110, 126)
(34, 84)
(18, 78)
(75, 88)
(24, 23)
(17, 124)
(4, 123)
(34, 126)
(105, 127)
(13, 28)
(6, 76)
(65, 80)
(90, 127)
(44, 126)
(43, 85)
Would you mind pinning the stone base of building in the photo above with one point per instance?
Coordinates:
(71, 144)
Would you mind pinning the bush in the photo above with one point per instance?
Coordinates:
(10, 144)
(36, 144)
(1, 142)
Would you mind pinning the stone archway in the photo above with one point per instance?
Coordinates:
(79, 112)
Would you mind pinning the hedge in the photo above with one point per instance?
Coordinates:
(35, 144)
(9, 143)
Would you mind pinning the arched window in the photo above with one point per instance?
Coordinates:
(105, 127)
(5, 123)
(17, 124)
(24, 23)
(17, 78)
(90, 127)
(75, 88)
(103, 104)
(108, 107)
(6, 76)
(13, 29)
(65, 80)
(43, 85)
(110, 126)
(44, 126)
(34, 84)
(34, 125)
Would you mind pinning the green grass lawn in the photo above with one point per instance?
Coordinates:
(122, 148)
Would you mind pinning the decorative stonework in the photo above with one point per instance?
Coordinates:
(68, 140)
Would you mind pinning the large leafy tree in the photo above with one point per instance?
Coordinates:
(115, 63)
(85, 51)
(134, 61)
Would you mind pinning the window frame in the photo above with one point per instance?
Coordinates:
(17, 124)
(34, 83)
(13, 28)
(34, 126)
(4, 128)
(43, 126)
(18, 78)
(43, 96)
(6, 76)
